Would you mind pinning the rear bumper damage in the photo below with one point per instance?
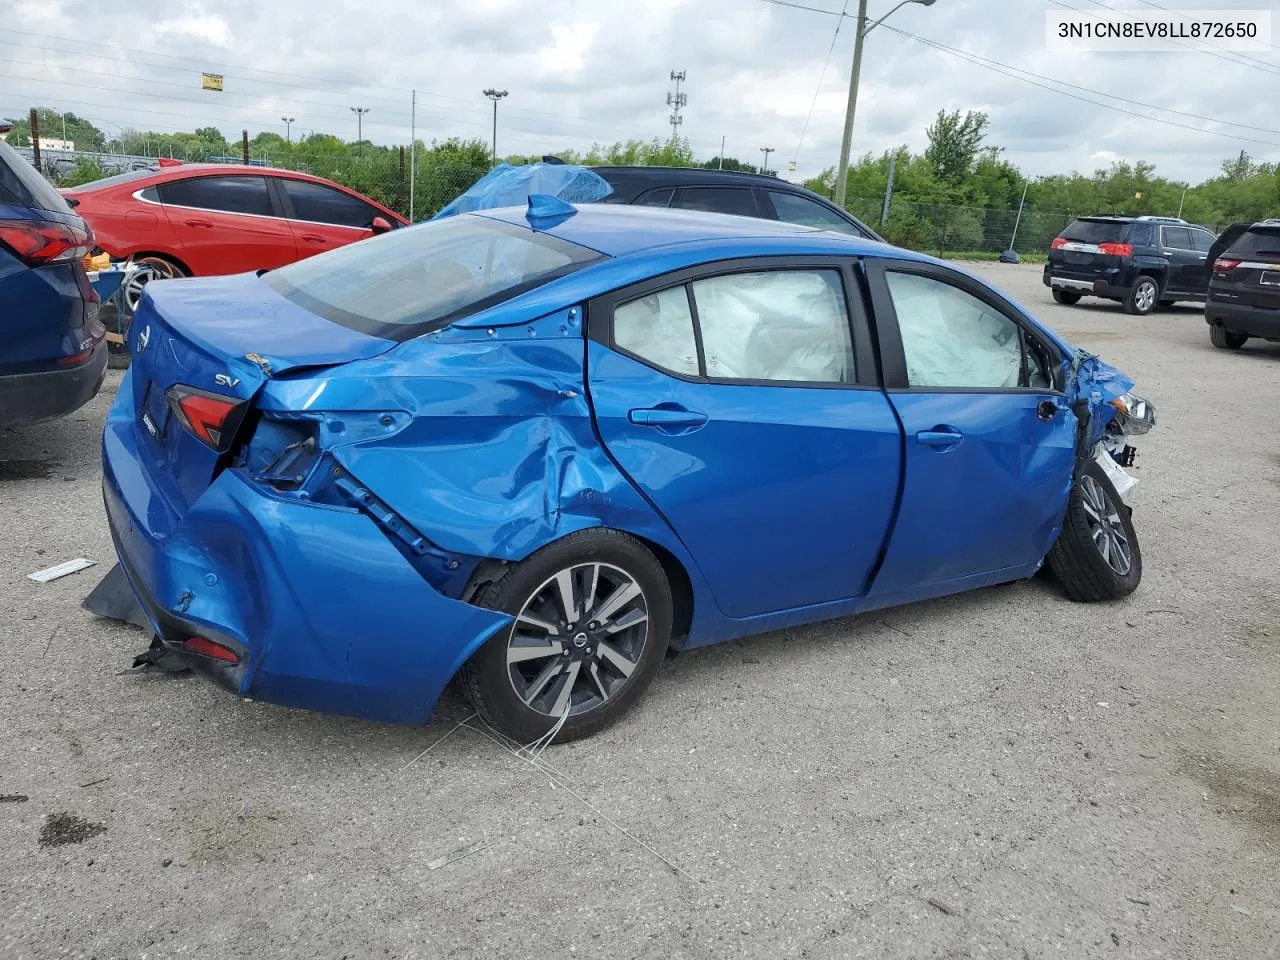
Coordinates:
(324, 612)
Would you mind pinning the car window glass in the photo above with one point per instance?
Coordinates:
(659, 328)
(321, 204)
(1257, 241)
(1202, 240)
(1177, 238)
(775, 325)
(225, 194)
(953, 339)
(735, 200)
(1095, 231)
(656, 198)
(1141, 234)
(150, 193)
(793, 208)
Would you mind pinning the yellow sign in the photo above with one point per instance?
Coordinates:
(211, 81)
(791, 165)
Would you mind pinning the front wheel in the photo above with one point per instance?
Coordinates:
(1224, 339)
(1143, 297)
(592, 620)
(1068, 298)
(1096, 556)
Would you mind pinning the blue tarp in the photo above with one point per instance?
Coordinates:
(508, 186)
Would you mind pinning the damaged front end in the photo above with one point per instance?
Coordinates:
(1109, 417)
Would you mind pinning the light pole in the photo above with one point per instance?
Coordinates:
(288, 125)
(495, 96)
(359, 112)
(766, 151)
(863, 28)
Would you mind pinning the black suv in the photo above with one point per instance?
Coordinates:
(1137, 261)
(1244, 290)
(725, 191)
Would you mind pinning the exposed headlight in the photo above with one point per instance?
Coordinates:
(1134, 416)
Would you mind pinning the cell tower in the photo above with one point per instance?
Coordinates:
(676, 101)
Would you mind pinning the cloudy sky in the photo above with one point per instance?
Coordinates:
(598, 70)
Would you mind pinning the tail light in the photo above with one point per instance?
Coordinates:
(1116, 249)
(1058, 243)
(211, 418)
(1225, 263)
(210, 648)
(38, 242)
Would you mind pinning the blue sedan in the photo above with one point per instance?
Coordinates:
(535, 449)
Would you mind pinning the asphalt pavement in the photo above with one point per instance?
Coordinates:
(998, 774)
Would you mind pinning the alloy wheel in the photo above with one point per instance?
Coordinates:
(1145, 296)
(1105, 526)
(149, 268)
(578, 639)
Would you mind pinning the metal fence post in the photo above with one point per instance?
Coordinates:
(35, 138)
(888, 190)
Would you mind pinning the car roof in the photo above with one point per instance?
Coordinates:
(629, 182)
(618, 230)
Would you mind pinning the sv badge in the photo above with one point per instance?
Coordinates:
(225, 380)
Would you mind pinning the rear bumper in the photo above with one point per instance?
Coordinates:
(1109, 284)
(1239, 318)
(328, 614)
(48, 395)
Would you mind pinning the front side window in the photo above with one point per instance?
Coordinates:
(793, 208)
(223, 194)
(953, 339)
(321, 204)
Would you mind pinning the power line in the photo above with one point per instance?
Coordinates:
(801, 6)
(821, 78)
(1269, 67)
(1003, 69)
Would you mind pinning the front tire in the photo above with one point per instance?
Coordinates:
(1144, 296)
(1096, 556)
(592, 623)
(1224, 339)
(1067, 298)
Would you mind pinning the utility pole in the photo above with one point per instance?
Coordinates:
(495, 96)
(35, 138)
(766, 151)
(861, 31)
(359, 112)
(1018, 220)
(721, 166)
(244, 147)
(888, 189)
(676, 102)
(288, 126)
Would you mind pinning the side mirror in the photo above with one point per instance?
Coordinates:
(380, 225)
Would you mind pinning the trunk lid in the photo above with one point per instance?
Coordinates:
(223, 337)
(1246, 266)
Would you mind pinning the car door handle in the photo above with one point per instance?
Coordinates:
(939, 436)
(199, 223)
(666, 417)
(312, 238)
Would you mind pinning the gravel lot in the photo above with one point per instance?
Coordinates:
(1001, 774)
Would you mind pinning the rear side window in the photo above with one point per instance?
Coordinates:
(224, 194)
(656, 198)
(409, 282)
(22, 184)
(1176, 238)
(793, 208)
(1257, 242)
(321, 204)
(1096, 231)
(1142, 234)
(735, 200)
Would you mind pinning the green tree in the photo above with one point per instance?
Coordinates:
(954, 144)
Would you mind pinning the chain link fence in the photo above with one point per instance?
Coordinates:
(947, 230)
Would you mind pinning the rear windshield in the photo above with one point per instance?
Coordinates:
(1096, 231)
(22, 184)
(409, 282)
(1258, 242)
(112, 181)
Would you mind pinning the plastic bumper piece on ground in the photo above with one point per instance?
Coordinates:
(328, 614)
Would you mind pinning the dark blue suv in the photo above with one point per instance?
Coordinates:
(52, 353)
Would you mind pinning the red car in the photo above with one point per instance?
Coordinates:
(203, 219)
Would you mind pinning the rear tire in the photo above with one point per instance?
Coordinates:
(1067, 298)
(1224, 339)
(1096, 556)
(606, 653)
(1143, 297)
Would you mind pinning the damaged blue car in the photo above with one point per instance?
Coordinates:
(535, 449)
